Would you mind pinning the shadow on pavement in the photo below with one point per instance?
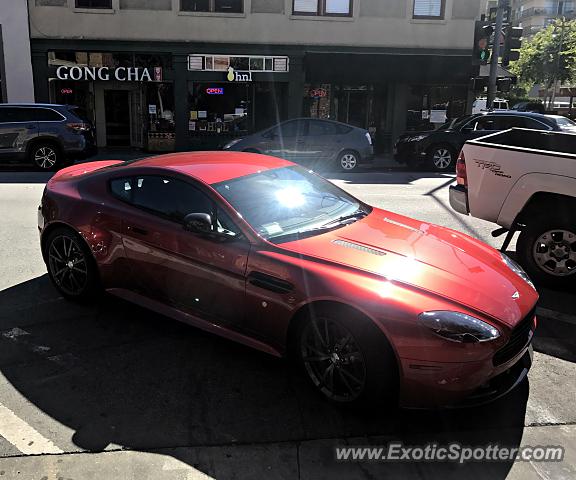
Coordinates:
(118, 374)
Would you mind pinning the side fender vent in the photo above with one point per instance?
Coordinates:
(361, 248)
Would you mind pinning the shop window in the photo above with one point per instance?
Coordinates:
(218, 6)
(340, 8)
(102, 4)
(429, 9)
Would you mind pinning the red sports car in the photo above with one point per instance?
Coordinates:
(373, 305)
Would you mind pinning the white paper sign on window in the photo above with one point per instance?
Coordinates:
(338, 6)
(306, 6)
(427, 8)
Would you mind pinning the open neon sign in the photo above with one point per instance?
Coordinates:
(215, 91)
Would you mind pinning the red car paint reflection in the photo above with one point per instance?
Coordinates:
(260, 251)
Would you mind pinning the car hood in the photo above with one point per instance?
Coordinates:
(428, 257)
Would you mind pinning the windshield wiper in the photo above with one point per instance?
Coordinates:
(331, 225)
(360, 213)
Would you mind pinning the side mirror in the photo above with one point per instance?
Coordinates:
(198, 223)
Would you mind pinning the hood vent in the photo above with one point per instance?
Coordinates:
(357, 246)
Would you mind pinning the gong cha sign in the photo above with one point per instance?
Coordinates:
(121, 74)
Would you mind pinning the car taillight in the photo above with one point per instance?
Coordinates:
(461, 175)
(79, 127)
(369, 138)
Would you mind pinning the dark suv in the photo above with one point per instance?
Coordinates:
(44, 135)
(438, 149)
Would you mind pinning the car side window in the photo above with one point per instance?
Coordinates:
(14, 114)
(46, 115)
(317, 128)
(535, 124)
(170, 198)
(511, 121)
(290, 129)
(486, 123)
(122, 188)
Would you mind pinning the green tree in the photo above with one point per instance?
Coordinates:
(549, 57)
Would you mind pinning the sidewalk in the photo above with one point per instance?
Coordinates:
(307, 460)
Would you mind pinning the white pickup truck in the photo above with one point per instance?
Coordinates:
(524, 180)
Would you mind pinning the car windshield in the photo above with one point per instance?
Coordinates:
(565, 123)
(290, 202)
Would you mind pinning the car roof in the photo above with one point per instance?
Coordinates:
(515, 113)
(34, 105)
(212, 167)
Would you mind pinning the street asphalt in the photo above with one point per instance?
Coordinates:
(112, 391)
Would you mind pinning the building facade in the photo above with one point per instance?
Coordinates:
(534, 15)
(16, 83)
(187, 74)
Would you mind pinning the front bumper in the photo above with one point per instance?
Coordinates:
(459, 199)
(462, 385)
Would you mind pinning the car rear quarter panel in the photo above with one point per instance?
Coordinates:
(82, 204)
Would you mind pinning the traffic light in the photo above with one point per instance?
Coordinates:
(481, 51)
(512, 43)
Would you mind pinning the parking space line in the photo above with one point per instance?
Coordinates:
(562, 317)
(23, 436)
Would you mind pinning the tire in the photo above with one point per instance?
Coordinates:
(348, 161)
(356, 367)
(45, 156)
(546, 248)
(442, 158)
(71, 266)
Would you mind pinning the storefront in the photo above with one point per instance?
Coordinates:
(125, 95)
(179, 96)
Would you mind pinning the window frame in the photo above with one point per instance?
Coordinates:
(321, 10)
(32, 114)
(81, 7)
(442, 15)
(217, 207)
(212, 9)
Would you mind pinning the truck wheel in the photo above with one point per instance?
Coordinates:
(547, 250)
(442, 158)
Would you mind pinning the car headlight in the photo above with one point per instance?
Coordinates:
(517, 269)
(458, 327)
(231, 143)
(417, 138)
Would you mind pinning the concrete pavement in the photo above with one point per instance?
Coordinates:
(114, 391)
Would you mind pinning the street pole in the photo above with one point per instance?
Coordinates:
(557, 70)
(502, 6)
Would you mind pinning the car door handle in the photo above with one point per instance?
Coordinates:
(138, 230)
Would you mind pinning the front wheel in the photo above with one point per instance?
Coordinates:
(346, 359)
(441, 158)
(546, 249)
(45, 156)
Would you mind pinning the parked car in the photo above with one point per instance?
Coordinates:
(439, 149)
(371, 304)
(319, 144)
(525, 180)
(44, 135)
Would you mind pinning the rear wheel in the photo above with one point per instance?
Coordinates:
(346, 358)
(348, 161)
(441, 158)
(546, 248)
(71, 266)
(45, 156)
